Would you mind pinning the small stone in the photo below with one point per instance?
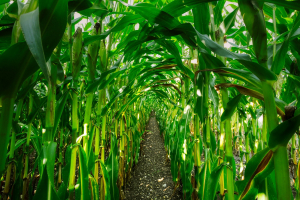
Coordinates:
(164, 185)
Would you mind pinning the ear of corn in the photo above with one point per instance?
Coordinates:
(77, 49)
(92, 53)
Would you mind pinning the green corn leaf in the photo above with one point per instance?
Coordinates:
(62, 191)
(295, 5)
(230, 108)
(186, 167)
(60, 71)
(271, 185)
(178, 7)
(33, 114)
(127, 90)
(219, 50)
(31, 30)
(257, 169)
(217, 10)
(107, 180)
(163, 95)
(102, 80)
(186, 31)
(7, 21)
(199, 109)
(296, 78)
(124, 22)
(59, 110)
(171, 47)
(213, 95)
(24, 91)
(211, 61)
(9, 80)
(112, 168)
(3, 1)
(185, 19)
(94, 188)
(54, 17)
(129, 101)
(18, 182)
(174, 154)
(5, 38)
(230, 20)
(49, 155)
(255, 23)
(75, 6)
(110, 80)
(220, 68)
(78, 19)
(167, 86)
(98, 9)
(46, 187)
(90, 154)
(120, 93)
(84, 175)
(278, 62)
(154, 15)
(282, 134)
(14, 9)
(238, 74)
(213, 182)
(261, 72)
(213, 142)
(41, 191)
(66, 169)
(19, 143)
(204, 175)
(202, 19)
(257, 93)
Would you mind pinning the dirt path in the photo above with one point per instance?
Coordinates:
(151, 178)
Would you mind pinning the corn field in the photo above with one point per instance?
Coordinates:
(80, 78)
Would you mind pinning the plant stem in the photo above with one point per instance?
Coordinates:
(60, 159)
(228, 145)
(280, 154)
(103, 134)
(222, 141)
(11, 151)
(197, 149)
(282, 173)
(229, 157)
(74, 116)
(5, 128)
(26, 151)
(121, 151)
(275, 32)
(87, 118)
(97, 137)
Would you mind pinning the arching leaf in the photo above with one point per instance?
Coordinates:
(282, 134)
(257, 169)
(230, 108)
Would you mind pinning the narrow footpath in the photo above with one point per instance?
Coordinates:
(151, 178)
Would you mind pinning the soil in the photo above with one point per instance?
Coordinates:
(151, 178)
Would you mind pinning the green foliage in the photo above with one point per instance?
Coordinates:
(80, 78)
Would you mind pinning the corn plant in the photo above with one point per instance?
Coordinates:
(79, 79)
